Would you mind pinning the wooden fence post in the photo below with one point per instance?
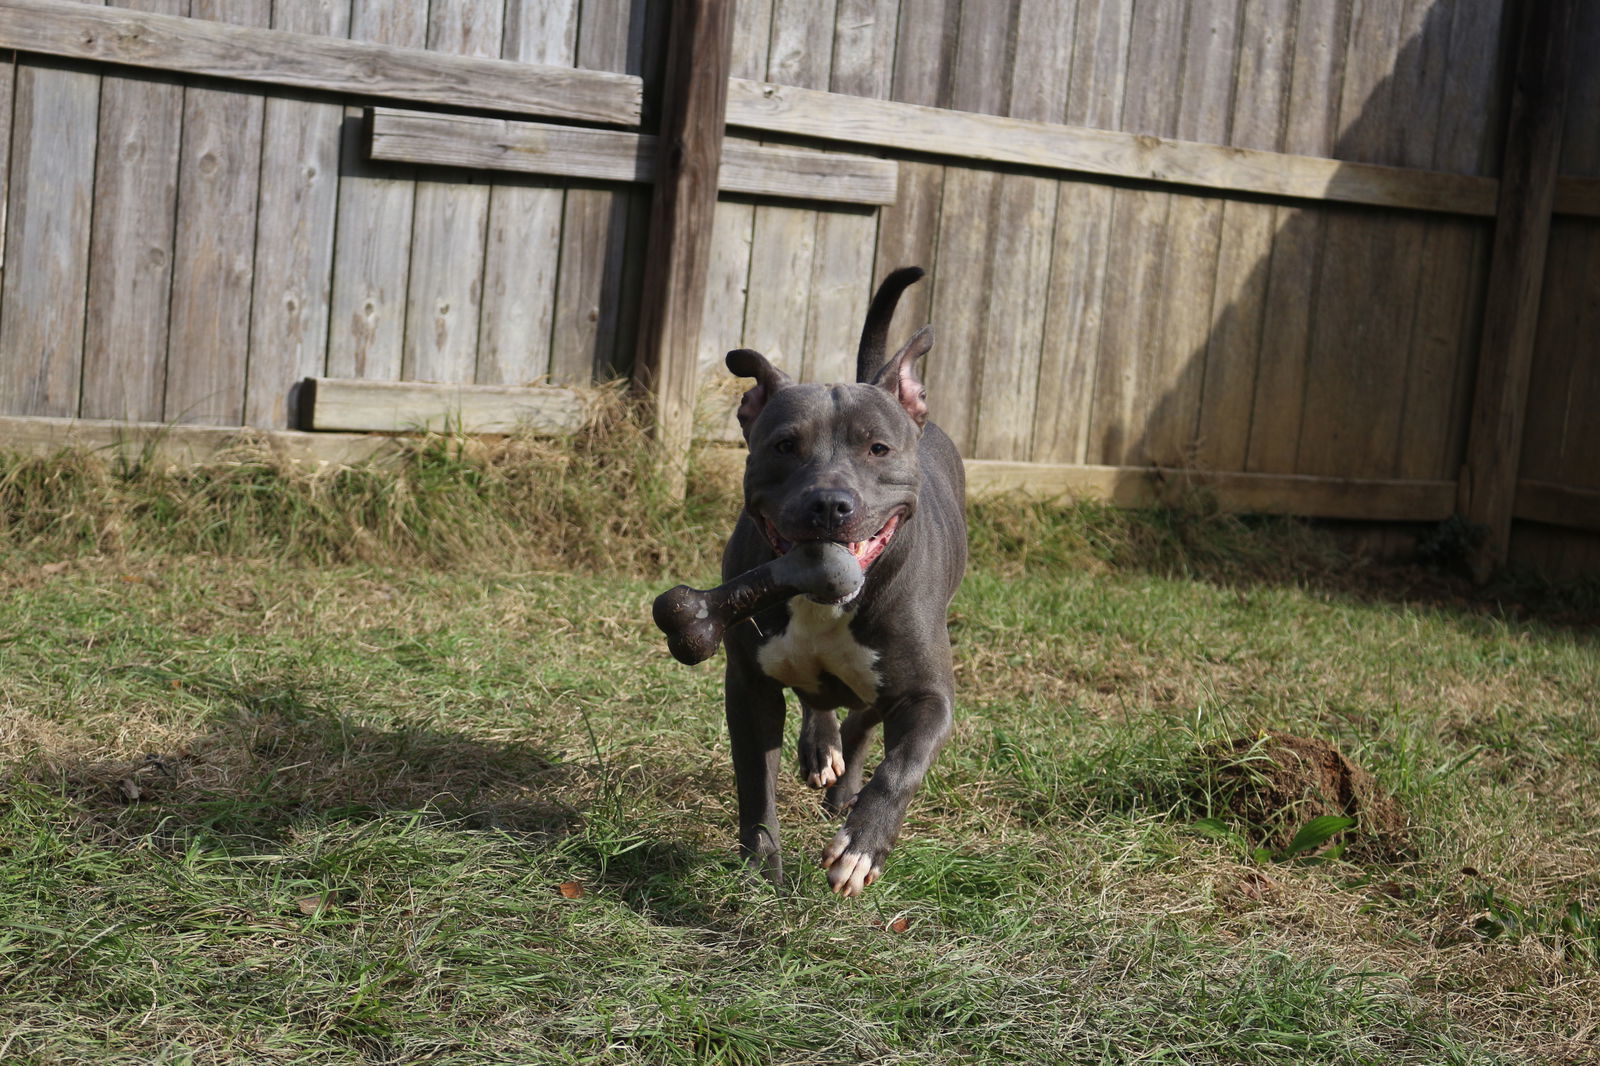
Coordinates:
(693, 109)
(1488, 483)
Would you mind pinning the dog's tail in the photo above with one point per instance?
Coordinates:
(875, 334)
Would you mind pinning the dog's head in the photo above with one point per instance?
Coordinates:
(833, 462)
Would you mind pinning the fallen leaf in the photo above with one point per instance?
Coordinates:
(900, 924)
(311, 906)
(570, 889)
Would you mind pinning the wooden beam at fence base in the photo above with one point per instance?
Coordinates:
(1368, 499)
(1488, 484)
(1558, 505)
(991, 138)
(677, 259)
(420, 406)
(173, 445)
(437, 139)
(307, 61)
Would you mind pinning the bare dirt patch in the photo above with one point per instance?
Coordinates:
(1277, 783)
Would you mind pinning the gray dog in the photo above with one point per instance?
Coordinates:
(860, 466)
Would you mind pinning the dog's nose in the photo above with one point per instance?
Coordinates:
(832, 508)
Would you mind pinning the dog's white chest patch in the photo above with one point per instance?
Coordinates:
(818, 640)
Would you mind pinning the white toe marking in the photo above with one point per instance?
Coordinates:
(849, 872)
(830, 772)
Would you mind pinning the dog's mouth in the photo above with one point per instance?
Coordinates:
(866, 551)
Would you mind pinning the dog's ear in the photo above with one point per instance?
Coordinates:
(899, 376)
(747, 363)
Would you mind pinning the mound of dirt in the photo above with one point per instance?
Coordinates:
(1278, 783)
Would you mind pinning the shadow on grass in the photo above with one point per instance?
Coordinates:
(276, 760)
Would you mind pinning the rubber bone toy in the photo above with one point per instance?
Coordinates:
(694, 620)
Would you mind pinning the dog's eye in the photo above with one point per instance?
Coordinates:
(785, 446)
(880, 448)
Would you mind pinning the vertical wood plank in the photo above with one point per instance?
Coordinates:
(293, 284)
(863, 47)
(1516, 273)
(733, 229)
(1013, 329)
(1562, 434)
(54, 132)
(372, 243)
(1070, 356)
(780, 263)
(1580, 141)
(130, 273)
(842, 264)
(802, 42)
(784, 242)
(1178, 359)
(960, 300)
(1245, 242)
(524, 236)
(694, 104)
(908, 232)
(591, 302)
(722, 322)
(449, 228)
(1460, 41)
(1041, 76)
(218, 185)
(1310, 128)
(1098, 81)
(1365, 300)
(908, 229)
(1130, 337)
(8, 98)
(1025, 221)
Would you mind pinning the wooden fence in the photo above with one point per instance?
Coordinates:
(1248, 242)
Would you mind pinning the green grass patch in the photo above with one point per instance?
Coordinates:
(368, 768)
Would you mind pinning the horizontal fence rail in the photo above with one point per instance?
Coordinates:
(308, 61)
(613, 155)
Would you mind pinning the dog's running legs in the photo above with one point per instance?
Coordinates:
(821, 756)
(914, 729)
(755, 712)
(853, 738)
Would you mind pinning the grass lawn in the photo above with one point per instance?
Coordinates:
(265, 808)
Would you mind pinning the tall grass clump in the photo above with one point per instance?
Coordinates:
(595, 500)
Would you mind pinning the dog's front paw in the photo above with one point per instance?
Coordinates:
(851, 868)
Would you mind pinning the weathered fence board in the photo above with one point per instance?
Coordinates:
(612, 155)
(372, 243)
(247, 50)
(47, 253)
(212, 273)
(354, 404)
(519, 271)
(130, 271)
(293, 273)
(785, 109)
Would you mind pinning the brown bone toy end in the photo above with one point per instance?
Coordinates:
(692, 634)
(695, 621)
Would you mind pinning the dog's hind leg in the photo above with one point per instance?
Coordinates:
(821, 754)
(853, 737)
